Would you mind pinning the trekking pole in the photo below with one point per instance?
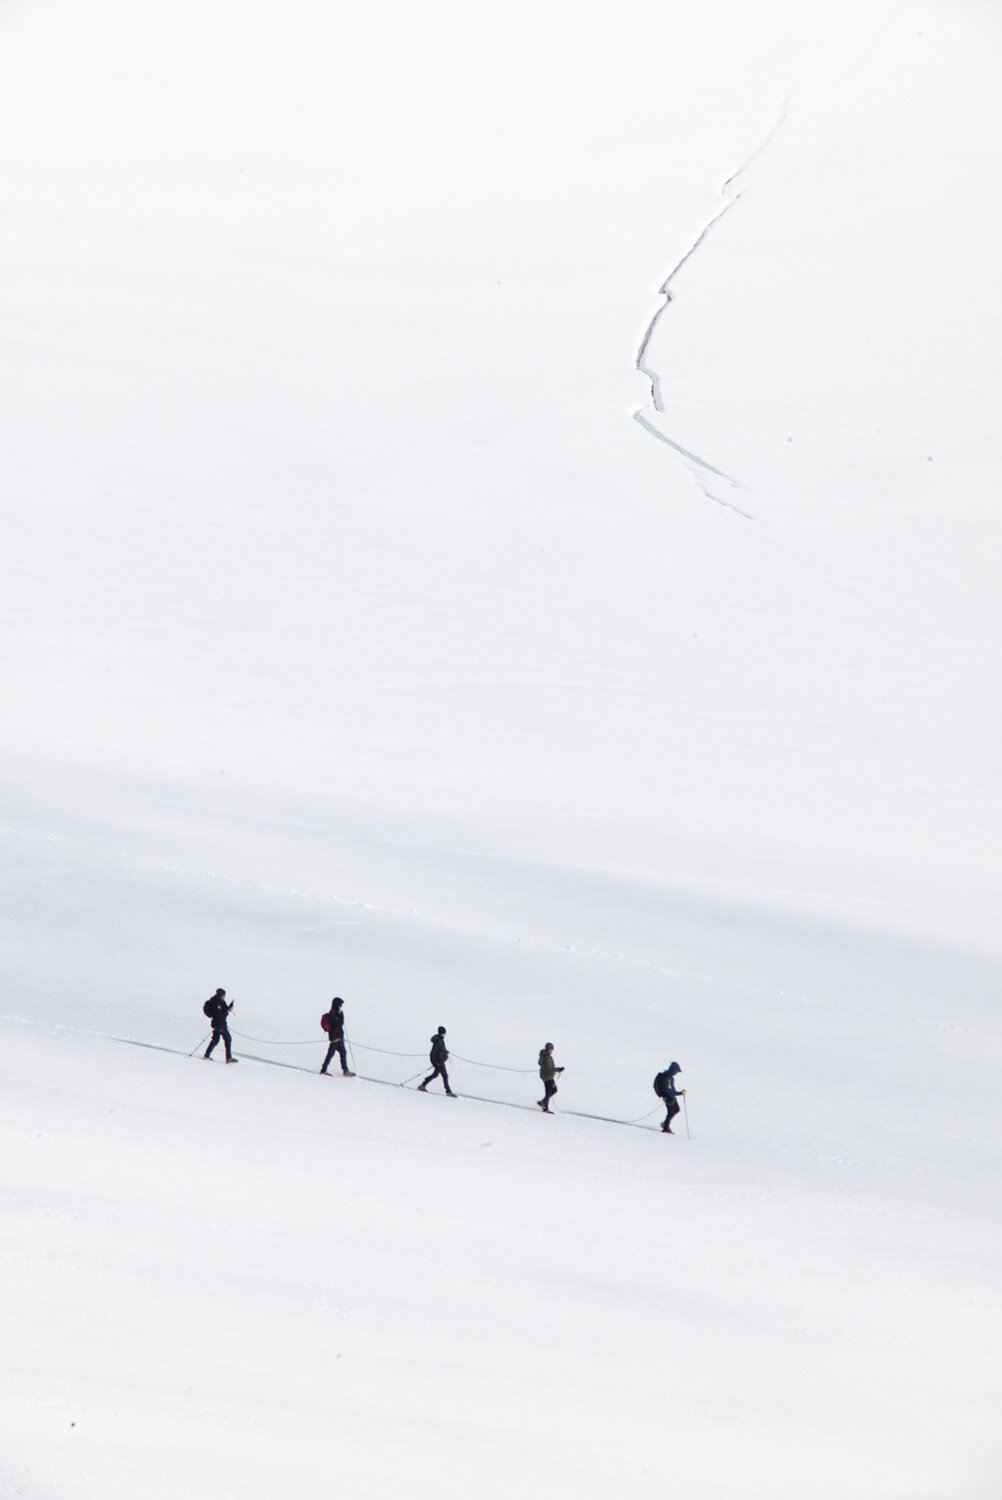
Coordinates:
(685, 1105)
(200, 1044)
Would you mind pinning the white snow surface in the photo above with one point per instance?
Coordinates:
(359, 640)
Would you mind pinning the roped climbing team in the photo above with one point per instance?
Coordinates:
(217, 1009)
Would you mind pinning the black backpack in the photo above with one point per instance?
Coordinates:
(659, 1085)
(209, 1009)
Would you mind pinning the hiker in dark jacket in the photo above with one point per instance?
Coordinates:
(217, 1011)
(670, 1094)
(335, 1031)
(438, 1057)
(547, 1071)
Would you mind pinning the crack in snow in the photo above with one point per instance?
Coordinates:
(698, 467)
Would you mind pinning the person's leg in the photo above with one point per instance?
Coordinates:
(673, 1108)
(215, 1039)
(551, 1088)
(445, 1080)
(429, 1079)
(330, 1053)
(344, 1061)
(225, 1034)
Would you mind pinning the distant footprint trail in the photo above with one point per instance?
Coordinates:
(649, 417)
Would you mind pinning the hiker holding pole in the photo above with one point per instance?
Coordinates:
(664, 1087)
(217, 1010)
(547, 1072)
(438, 1057)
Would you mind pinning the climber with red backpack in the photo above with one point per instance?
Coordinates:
(333, 1023)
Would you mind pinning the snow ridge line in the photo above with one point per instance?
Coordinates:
(733, 198)
(665, 291)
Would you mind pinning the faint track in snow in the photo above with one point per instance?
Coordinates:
(701, 472)
(698, 467)
(389, 1083)
(696, 464)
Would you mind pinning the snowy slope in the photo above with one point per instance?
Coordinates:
(319, 475)
(244, 1281)
(357, 638)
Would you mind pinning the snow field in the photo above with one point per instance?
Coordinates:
(358, 641)
(231, 1280)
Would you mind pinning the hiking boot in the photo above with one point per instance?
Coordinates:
(232, 1059)
(422, 1087)
(450, 1095)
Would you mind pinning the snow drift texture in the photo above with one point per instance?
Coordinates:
(358, 640)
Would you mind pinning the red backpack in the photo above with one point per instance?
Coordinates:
(325, 1022)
